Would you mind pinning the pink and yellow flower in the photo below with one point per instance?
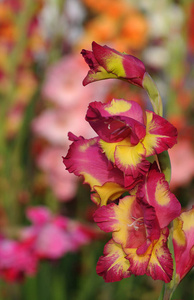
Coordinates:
(105, 62)
(86, 159)
(155, 190)
(183, 242)
(138, 242)
(127, 136)
(133, 197)
(139, 232)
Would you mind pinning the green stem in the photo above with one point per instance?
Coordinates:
(153, 93)
(167, 294)
(165, 165)
(156, 101)
(169, 289)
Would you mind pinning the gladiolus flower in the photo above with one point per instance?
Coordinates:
(142, 244)
(125, 138)
(183, 241)
(132, 194)
(105, 62)
(139, 231)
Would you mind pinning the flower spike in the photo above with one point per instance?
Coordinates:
(128, 170)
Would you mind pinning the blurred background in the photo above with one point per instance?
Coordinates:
(49, 245)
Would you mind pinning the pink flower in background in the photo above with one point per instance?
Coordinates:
(39, 216)
(54, 124)
(182, 161)
(54, 236)
(64, 88)
(49, 237)
(62, 183)
(17, 259)
(63, 84)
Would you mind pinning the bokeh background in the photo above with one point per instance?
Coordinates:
(49, 245)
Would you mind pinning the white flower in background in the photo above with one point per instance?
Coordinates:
(52, 20)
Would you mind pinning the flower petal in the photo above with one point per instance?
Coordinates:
(96, 71)
(122, 65)
(131, 159)
(117, 107)
(160, 134)
(115, 121)
(156, 192)
(156, 261)
(109, 191)
(124, 219)
(85, 159)
(113, 266)
(183, 241)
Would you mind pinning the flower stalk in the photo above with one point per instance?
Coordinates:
(153, 94)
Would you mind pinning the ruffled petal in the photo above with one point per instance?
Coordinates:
(160, 134)
(131, 160)
(130, 182)
(113, 266)
(85, 158)
(96, 71)
(155, 190)
(155, 262)
(122, 65)
(117, 107)
(125, 220)
(183, 242)
(150, 220)
(109, 191)
(117, 120)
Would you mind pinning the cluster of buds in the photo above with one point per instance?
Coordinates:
(125, 166)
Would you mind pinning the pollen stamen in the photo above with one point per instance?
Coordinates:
(136, 223)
